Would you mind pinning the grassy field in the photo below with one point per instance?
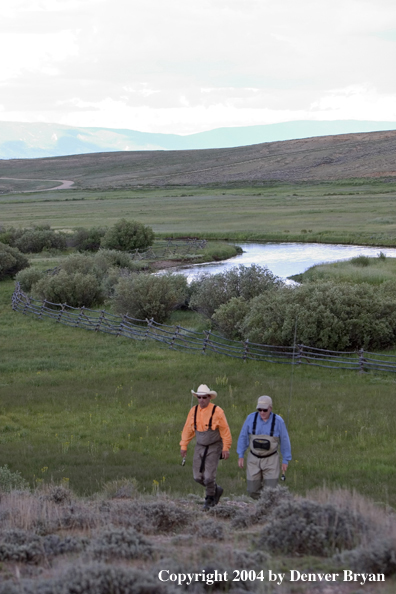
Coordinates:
(360, 269)
(359, 212)
(89, 408)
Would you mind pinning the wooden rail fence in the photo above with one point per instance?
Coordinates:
(207, 342)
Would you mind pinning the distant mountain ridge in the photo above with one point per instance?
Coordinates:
(19, 140)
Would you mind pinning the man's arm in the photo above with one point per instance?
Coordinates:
(285, 444)
(243, 442)
(187, 434)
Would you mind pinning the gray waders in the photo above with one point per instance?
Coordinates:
(207, 455)
(263, 466)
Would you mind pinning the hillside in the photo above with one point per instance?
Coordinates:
(348, 156)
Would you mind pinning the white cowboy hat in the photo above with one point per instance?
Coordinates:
(204, 390)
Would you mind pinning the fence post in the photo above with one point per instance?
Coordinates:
(100, 320)
(362, 361)
(58, 319)
(246, 350)
(149, 324)
(205, 342)
(42, 308)
(300, 353)
(174, 337)
(121, 326)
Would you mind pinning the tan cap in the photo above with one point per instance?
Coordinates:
(264, 402)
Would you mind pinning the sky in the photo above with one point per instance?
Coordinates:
(186, 66)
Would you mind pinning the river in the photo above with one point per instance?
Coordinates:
(286, 259)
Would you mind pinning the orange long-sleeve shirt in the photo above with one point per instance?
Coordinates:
(219, 421)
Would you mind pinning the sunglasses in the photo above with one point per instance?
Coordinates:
(202, 397)
(262, 409)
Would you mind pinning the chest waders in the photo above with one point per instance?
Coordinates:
(207, 454)
(263, 459)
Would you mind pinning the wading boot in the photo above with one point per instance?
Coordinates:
(218, 494)
(209, 502)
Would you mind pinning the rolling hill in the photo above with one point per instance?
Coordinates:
(348, 156)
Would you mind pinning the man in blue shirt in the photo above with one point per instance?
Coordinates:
(263, 432)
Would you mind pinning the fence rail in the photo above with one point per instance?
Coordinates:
(207, 342)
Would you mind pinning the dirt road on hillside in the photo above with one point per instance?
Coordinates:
(65, 184)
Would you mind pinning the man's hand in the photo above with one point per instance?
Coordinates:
(225, 454)
(284, 468)
(183, 453)
(240, 462)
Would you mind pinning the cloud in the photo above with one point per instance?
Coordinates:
(184, 64)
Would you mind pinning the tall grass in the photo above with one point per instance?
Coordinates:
(361, 269)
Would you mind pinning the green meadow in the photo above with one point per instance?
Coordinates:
(86, 408)
(351, 211)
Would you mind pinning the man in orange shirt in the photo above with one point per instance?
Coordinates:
(208, 423)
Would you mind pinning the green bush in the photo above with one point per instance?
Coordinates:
(76, 290)
(329, 316)
(28, 277)
(39, 238)
(10, 481)
(106, 259)
(127, 236)
(11, 261)
(148, 296)
(87, 240)
(229, 317)
(209, 292)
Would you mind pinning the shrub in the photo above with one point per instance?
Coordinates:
(329, 316)
(10, 481)
(149, 296)
(58, 494)
(92, 578)
(39, 238)
(121, 488)
(83, 263)
(229, 317)
(165, 516)
(360, 261)
(76, 290)
(211, 291)
(120, 542)
(127, 236)
(87, 240)
(21, 546)
(210, 529)
(379, 556)
(106, 259)
(11, 261)
(28, 277)
(303, 527)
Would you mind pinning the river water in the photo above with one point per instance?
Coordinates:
(286, 259)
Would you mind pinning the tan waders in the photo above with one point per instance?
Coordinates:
(263, 460)
(207, 454)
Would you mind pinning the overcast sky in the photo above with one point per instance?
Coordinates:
(185, 66)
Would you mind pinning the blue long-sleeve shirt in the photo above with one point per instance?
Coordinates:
(264, 428)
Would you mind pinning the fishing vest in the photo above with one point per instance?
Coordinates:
(263, 446)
